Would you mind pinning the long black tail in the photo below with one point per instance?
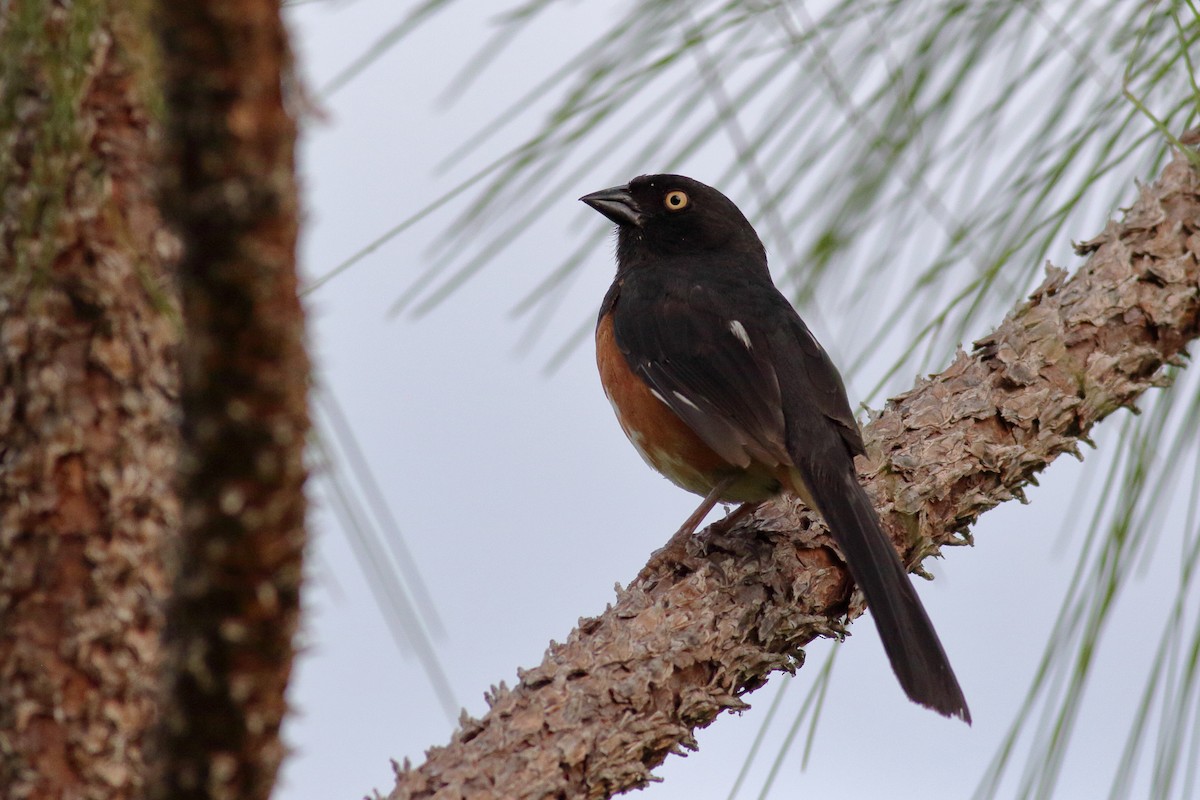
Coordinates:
(911, 643)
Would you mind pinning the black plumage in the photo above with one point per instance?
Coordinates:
(696, 318)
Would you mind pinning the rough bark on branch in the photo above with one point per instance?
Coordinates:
(630, 686)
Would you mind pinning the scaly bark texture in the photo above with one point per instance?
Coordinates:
(630, 686)
(87, 401)
(231, 194)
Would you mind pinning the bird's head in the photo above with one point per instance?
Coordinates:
(672, 214)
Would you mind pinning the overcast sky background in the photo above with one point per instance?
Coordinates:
(523, 503)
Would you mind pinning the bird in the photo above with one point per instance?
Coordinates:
(722, 388)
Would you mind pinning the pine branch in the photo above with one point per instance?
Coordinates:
(630, 686)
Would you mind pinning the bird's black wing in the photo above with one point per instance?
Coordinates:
(815, 395)
(701, 358)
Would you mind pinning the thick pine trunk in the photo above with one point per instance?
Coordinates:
(231, 193)
(88, 402)
(108, 459)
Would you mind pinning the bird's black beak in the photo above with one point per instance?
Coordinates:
(617, 204)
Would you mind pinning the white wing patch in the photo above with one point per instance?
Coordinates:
(739, 330)
(684, 399)
(658, 396)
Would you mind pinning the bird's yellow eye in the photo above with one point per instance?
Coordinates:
(676, 200)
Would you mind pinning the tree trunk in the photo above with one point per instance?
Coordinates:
(88, 402)
(231, 193)
(630, 686)
(92, 408)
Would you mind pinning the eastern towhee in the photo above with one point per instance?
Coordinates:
(722, 388)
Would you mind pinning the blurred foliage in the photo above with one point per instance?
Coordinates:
(913, 165)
